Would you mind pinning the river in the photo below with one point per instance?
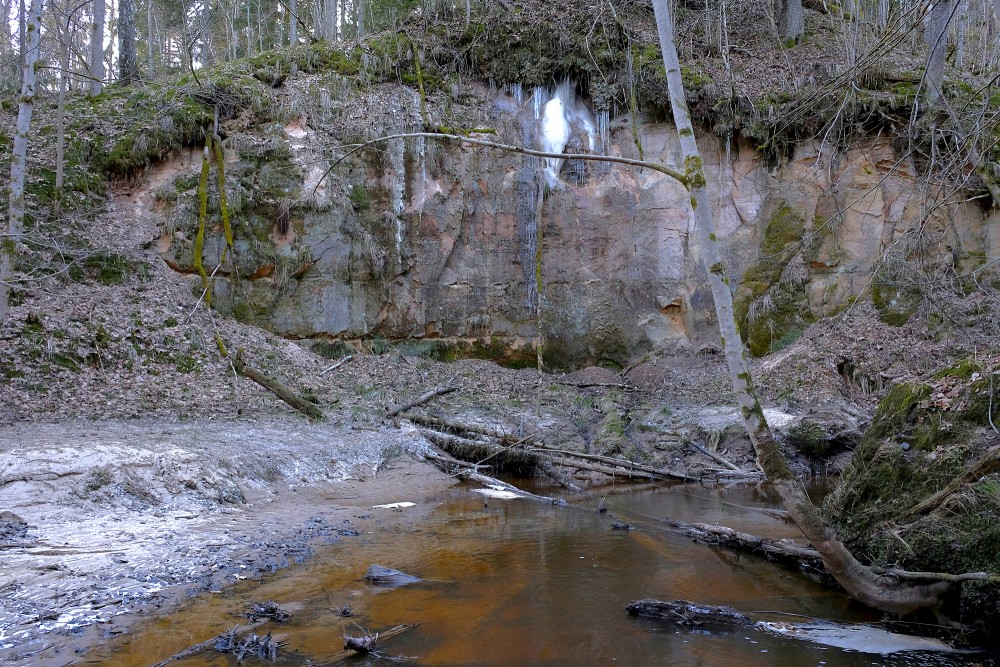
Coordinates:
(522, 583)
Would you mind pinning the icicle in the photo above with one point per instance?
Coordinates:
(538, 99)
(603, 129)
(517, 92)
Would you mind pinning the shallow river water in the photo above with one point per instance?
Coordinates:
(523, 583)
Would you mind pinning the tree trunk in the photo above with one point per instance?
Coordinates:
(150, 41)
(859, 581)
(128, 65)
(97, 49)
(64, 38)
(936, 36)
(293, 25)
(789, 21)
(32, 28)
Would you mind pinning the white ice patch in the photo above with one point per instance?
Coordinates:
(393, 506)
(555, 135)
(498, 492)
(558, 117)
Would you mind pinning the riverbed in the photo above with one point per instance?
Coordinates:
(515, 582)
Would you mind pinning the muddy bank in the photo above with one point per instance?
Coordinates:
(126, 519)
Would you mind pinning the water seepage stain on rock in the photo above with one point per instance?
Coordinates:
(386, 576)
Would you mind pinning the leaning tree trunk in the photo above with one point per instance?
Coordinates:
(15, 220)
(859, 581)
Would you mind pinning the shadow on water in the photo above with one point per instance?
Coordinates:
(522, 583)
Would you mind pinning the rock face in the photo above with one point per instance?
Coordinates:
(423, 240)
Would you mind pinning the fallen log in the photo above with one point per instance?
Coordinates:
(278, 389)
(715, 457)
(689, 614)
(525, 450)
(420, 400)
(785, 551)
(496, 484)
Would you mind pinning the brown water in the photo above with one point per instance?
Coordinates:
(521, 583)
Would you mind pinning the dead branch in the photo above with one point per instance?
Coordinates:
(420, 400)
(715, 457)
(205, 645)
(277, 388)
(499, 485)
(612, 385)
(935, 576)
(679, 176)
(337, 365)
(633, 469)
(990, 463)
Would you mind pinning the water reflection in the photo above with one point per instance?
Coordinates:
(522, 583)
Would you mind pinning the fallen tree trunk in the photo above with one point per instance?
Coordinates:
(715, 457)
(420, 400)
(784, 551)
(281, 391)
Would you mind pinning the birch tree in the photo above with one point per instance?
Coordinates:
(25, 109)
(861, 582)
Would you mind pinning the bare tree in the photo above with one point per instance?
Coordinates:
(25, 109)
(860, 581)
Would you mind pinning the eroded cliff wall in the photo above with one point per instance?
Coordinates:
(418, 239)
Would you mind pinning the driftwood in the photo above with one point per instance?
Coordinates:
(783, 551)
(715, 457)
(420, 400)
(689, 614)
(210, 643)
(371, 645)
(275, 387)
